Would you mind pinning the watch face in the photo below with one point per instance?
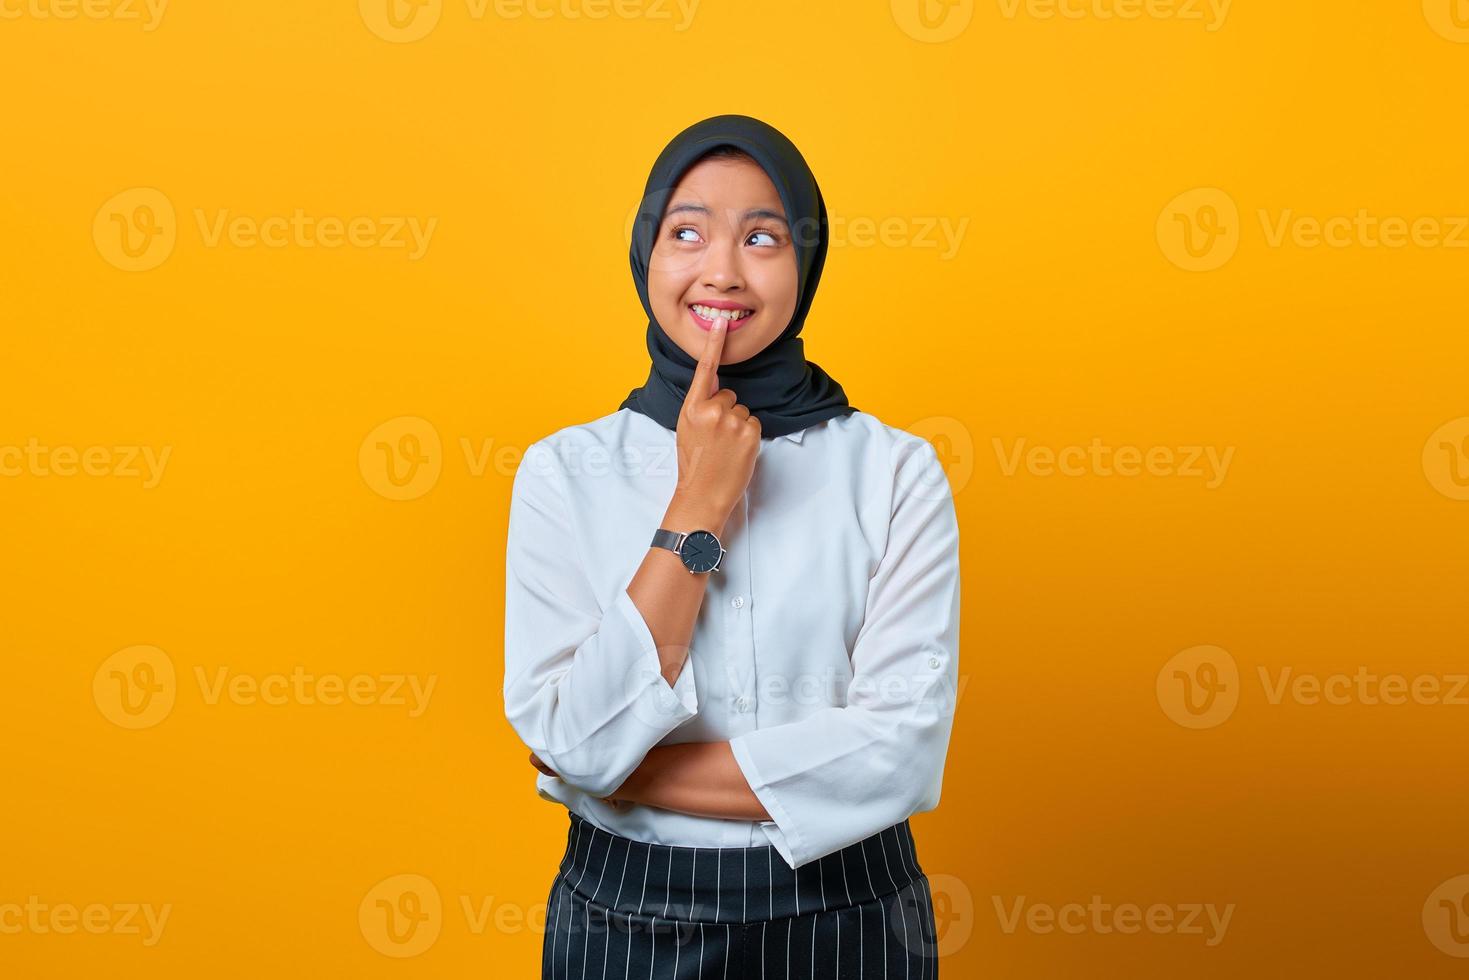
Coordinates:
(700, 551)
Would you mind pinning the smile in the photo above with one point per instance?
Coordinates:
(704, 316)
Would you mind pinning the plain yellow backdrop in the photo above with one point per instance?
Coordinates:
(1177, 287)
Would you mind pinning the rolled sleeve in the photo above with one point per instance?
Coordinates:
(584, 687)
(842, 774)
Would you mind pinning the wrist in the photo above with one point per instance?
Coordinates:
(634, 786)
(688, 515)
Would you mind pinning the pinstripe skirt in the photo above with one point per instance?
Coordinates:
(624, 909)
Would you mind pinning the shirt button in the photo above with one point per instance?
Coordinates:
(933, 661)
(742, 703)
(738, 602)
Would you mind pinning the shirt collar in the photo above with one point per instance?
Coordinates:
(795, 437)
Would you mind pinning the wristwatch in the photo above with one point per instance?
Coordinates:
(699, 550)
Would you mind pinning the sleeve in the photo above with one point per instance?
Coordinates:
(584, 688)
(844, 773)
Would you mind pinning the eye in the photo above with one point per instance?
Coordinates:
(681, 232)
(770, 240)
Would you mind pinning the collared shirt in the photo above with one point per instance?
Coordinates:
(825, 651)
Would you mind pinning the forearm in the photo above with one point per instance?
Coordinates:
(666, 593)
(699, 778)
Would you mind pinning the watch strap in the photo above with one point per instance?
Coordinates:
(664, 538)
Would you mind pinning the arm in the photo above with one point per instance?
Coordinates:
(701, 778)
(589, 691)
(844, 773)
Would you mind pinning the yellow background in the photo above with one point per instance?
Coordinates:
(273, 541)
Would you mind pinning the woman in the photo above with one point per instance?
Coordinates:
(739, 679)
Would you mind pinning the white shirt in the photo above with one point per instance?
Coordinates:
(826, 648)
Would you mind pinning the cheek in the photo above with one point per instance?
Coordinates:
(778, 288)
(668, 277)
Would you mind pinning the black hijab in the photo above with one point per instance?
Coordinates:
(778, 385)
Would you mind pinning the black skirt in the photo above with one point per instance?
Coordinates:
(626, 909)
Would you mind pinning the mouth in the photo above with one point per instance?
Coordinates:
(733, 314)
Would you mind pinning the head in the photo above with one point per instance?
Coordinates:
(724, 243)
(731, 216)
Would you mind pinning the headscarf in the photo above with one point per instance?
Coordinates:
(778, 385)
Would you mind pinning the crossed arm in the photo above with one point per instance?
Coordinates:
(700, 778)
(582, 684)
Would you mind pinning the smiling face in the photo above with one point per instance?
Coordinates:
(724, 249)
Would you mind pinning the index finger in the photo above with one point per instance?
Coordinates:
(706, 375)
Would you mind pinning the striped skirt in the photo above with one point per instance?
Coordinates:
(621, 908)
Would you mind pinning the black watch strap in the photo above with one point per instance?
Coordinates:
(664, 538)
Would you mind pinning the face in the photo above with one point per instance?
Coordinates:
(724, 245)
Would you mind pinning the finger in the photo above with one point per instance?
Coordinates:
(725, 397)
(706, 375)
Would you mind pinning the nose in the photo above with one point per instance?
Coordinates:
(721, 269)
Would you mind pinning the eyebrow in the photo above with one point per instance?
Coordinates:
(750, 215)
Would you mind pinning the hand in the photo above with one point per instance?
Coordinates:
(718, 441)
(615, 804)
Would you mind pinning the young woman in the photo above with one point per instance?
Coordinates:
(732, 616)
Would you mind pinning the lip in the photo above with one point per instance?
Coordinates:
(719, 304)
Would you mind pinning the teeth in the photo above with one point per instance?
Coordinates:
(709, 313)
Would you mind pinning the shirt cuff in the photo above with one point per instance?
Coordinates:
(781, 829)
(682, 694)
